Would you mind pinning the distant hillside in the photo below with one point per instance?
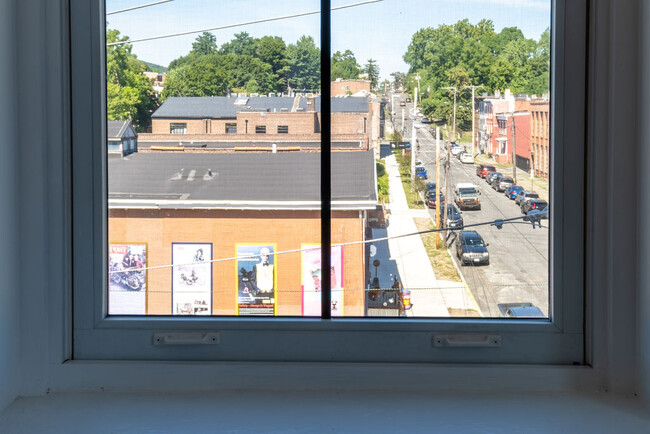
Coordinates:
(154, 68)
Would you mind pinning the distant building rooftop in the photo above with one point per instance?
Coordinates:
(240, 181)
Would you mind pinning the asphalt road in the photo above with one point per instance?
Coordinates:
(518, 270)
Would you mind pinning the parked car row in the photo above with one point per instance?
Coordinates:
(500, 182)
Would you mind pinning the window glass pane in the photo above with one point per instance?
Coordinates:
(216, 210)
(477, 72)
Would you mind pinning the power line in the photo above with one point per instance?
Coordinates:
(498, 223)
(228, 26)
(138, 7)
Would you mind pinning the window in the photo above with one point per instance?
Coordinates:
(260, 129)
(283, 129)
(178, 128)
(231, 128)
(426, 339)
(503, 146)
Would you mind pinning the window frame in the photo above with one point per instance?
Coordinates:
(260, 129)
(560, 340)
(174, 128)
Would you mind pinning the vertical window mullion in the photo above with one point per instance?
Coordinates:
(326, 166)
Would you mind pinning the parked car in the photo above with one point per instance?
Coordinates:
(513, 191)
(533, 204)
(431, 189)
(483, 169)
(471, 249)
(455, 150)
(502, 183)
(520, 310)
(467, 158)
(402, 103)
(490, 176)
(408, 99)
(420, 172)
(467, 197)
(494, 177)
(425, 120)
(454, 218)
(431, 200)
(524, 195)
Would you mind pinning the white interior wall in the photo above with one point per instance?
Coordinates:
(9, 287)
(39, 54)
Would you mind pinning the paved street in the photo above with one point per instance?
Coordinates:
(518, 270)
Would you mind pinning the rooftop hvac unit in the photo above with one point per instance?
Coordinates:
(309, 95)
(284, 109)
(255, 94)
(271, 94)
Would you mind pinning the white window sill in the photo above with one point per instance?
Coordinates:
(282, 411)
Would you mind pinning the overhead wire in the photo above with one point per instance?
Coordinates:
(119, 11)
(498, 222)
(246, 23)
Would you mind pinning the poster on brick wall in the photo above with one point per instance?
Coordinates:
(256, 279)
(191, 278)
(311, 280)
(127, 279)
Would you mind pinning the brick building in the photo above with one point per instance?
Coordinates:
(228, 204)
(539, 136)
(227, 122)
(122, 138)
(349, 87)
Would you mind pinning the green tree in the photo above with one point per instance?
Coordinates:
(273, 51)
(129, 92)
(205, 43)
(372, 69)
(303, 58)
(345, 66)
(242, 44)
(398, 79)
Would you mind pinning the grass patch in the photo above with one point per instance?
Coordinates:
(413, 198)
(443, 266)
(382, 182)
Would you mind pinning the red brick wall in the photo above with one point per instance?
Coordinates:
(225, 228)
(353, 86)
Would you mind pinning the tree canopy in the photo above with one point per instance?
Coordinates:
(129, 92)
(464, 54)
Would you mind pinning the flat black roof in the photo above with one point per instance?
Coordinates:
(240, 180)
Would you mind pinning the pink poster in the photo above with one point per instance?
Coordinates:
(311, 280)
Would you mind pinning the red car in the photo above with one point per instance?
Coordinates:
(483, 169)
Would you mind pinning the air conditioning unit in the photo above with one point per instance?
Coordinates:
(255, 94)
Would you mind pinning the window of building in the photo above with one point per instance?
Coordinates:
(231, 128)
(283, 129)
(503, 146)
(258, 261)
(180, 128)
(260, 129)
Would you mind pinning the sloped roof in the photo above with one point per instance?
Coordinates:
(220, 106)
(116, 129)
(347, 104)
(240, 180)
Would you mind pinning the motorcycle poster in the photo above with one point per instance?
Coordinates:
(191, 278)
(127, 279)
(311, 280)
(256, 279)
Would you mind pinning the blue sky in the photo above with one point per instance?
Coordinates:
(381, 31)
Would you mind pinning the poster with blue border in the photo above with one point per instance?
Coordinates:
(256, 279)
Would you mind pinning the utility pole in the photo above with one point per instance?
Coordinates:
(403, 126)
(473, 120)
(413, 146)
(514, 151)
(447, 168)
(437, 192)
(455, 90)
(417, 77)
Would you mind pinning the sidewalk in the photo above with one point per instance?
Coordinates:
(407, 256)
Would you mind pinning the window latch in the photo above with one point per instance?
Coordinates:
(466, 340)
(186, 338)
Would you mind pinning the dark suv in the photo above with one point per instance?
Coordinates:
(483, 169)
(471, 249)
(454, 218)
